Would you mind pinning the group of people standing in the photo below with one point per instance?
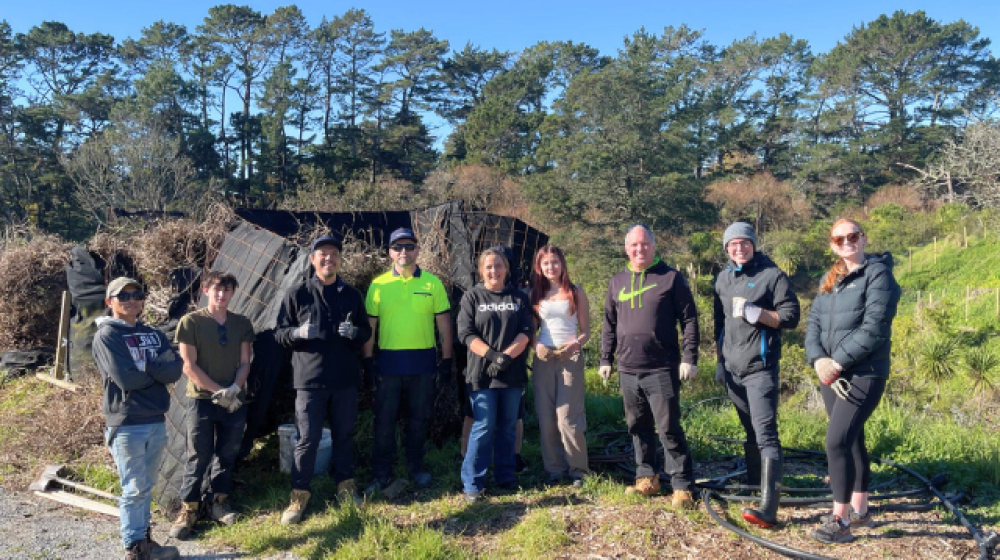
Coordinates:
(650, 331)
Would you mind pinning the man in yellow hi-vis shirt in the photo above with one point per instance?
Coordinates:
(404, 305)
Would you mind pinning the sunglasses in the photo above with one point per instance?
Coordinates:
(134, 296)
(400, 247)
(222, 335)
(852, 237)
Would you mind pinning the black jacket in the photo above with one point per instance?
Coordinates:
(853, 323)
(497, 318)
(135, 383)
(746, 348)
(641, 312)
(330, 361)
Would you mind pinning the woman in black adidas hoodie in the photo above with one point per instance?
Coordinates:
(495, 323)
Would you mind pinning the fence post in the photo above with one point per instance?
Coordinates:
(930, 299)
(965, 235)
(935, 251)
(967, 295)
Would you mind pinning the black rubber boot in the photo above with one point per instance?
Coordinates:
(752, 454)
(766, 513)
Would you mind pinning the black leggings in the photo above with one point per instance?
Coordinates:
(850, 469)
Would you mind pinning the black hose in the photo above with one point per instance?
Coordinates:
(986, 542)
(779, 548)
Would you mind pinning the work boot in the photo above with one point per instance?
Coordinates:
(186, 519)
(293, 514)
(682, 499)
(766, 513)
(752, 455)
(645, 485)
(346, 491)
(139, 550)
(221, 511)
(159, 552)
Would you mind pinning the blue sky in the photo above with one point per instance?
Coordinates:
(516, 24)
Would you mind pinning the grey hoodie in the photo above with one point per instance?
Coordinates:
(135, 383)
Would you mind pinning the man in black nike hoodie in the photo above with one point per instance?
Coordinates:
(754, 301)
(644, 304)
(136, 364)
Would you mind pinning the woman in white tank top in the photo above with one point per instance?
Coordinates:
(563, 315)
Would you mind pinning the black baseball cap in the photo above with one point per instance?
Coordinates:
(328, 240)
(402, 233)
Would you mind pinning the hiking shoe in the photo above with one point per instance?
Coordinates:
(472, 497)
(855, 518)
(645, 486)
(555, 480)
(682, 499)
(186, 520)
(221, 511)
(519, 464)
(578, 483)
(137, 551)
(346, 491)
(510, 486)
(422, 479)
(833, 532)
(293, 514)
(378, 485)
(161, 552)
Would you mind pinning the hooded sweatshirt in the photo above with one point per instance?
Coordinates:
(746, 348)
(497, 318)
(853, 323)
(135, 382)
(641, 313)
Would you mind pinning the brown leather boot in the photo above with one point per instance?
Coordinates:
(347, 491)
(645, 486)
(185, 522)
(296, 508)
(682, 499)
(221, 511)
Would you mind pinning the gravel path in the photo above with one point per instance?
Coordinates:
(35, 528)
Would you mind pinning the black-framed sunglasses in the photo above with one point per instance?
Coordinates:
(222, 335)
(852, 237)
(134, 296)
(400, 247)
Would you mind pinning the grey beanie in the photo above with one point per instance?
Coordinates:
(739, 230)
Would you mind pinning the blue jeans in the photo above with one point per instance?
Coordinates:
(494, 430)
(137, 451)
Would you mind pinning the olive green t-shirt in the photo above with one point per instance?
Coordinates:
(219, 361)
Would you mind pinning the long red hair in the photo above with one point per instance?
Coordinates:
(839, 268)
(540, 285)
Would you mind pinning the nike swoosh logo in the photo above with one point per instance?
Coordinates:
(623, 296)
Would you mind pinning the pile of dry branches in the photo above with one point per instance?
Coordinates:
(32, 278)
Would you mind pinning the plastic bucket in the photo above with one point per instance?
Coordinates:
(288, 436)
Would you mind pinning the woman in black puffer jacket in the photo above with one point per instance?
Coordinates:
(848, 342)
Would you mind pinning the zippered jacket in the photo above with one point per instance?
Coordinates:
(746, 348)
(641, 313)
(135, 384)
(331, 361)
(853, 323)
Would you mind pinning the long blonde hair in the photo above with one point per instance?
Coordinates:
(839, 268)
